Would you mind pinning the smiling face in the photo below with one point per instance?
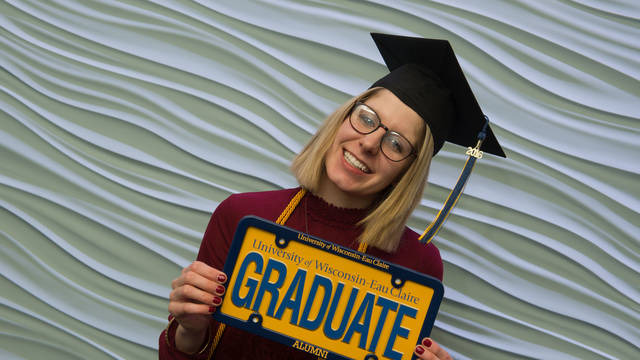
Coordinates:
(356, 170)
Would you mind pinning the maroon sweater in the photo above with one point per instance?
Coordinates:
(313, 216)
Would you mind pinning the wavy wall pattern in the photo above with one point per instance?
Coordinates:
(124, 123)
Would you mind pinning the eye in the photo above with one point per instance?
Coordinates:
(395, 144)
(368, 120)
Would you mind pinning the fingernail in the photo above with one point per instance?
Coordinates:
(212, 309)
(426, 342)
(220, 290)
(222, 278)
(419, 350)
(217, 300)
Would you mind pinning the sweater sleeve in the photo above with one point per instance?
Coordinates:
(218, 235)
(434, 266)
(167, 346)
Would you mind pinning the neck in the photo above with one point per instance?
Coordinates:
(330, 193)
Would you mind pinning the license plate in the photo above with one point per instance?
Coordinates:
(322, 298)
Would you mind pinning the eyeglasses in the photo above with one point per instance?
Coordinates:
(393, 145)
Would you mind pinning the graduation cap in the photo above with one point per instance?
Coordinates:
(426, 76)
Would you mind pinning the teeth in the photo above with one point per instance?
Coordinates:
(355, 162)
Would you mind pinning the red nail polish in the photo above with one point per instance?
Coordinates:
(220, 290)
(426, 342)
(217, 300)
(419, 350)
(212, 309)
(222, 278)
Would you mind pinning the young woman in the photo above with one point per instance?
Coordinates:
(361, 176)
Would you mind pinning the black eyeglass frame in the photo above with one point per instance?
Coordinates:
(380, 125)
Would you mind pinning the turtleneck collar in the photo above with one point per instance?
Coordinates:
(320, 210)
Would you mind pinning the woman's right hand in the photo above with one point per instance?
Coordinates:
(196, 294)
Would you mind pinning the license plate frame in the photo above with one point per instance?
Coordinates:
(276, 306)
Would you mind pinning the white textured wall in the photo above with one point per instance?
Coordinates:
(124, 123)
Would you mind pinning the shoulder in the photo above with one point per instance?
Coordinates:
(418, 256)
(283, 194)
(255, 203)
(222, 225)
(265, 204)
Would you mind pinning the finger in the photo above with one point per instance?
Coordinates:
(188, 293)
(179, 309)
(209, 272)
(435, 348)
(194, 279)
(424, 354)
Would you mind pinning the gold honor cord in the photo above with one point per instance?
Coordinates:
(437, 223)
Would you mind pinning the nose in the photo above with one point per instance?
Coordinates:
(370, 143)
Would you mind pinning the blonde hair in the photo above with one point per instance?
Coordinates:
(384, 225)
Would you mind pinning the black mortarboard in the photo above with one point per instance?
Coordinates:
(426, 76)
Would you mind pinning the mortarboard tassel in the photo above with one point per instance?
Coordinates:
(474, 154)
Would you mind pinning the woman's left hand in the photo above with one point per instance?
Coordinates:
(430, 350)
